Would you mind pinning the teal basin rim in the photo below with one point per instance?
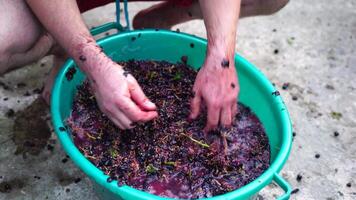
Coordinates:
(100, 178)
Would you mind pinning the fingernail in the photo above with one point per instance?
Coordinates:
(226, 126)
(150, 104)
(156, 114)
(152, 115)
(191, 117)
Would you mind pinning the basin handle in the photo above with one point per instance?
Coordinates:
(114, 25)
(284, 185)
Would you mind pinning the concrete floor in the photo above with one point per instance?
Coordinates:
(316, 43)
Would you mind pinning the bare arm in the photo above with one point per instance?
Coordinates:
(63, 20)
(216, 84)
(220, 18)
(119, 96)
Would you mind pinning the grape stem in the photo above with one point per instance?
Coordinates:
(203, 144)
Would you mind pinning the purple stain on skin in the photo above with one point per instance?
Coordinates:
(225, 63)
(82, 58)
(126, 73)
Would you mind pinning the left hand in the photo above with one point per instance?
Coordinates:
(216, 85)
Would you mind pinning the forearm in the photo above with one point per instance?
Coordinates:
(63, 21)
(220, 18)
(118, 95)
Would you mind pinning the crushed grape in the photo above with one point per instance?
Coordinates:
(170, 156)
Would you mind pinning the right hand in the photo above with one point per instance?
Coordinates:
(217, 87)
(120, 97)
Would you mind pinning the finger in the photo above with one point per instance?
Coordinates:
(213, 118)
(116, 122)
(195, 106)
(133, 112)
(233, 111)
(140, 98)
(122, 118)
(225, 116)
(110, 115)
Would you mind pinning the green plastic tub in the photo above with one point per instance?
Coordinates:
(256, 92)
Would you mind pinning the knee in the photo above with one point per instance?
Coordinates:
(273, 6)
(4, 61)
(4, 52)
(138, 20)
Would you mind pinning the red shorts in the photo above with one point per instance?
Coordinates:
(85, 5)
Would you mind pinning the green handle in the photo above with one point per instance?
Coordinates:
(284, 185)
(104, 28)
(114, 25)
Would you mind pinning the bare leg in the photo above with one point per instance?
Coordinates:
(23, 41)
(167, 14)
(58, 61)
(261, 7)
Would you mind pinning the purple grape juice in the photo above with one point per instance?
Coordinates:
(170, 156)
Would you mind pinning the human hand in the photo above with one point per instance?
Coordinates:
(216, 86)
(120, 97)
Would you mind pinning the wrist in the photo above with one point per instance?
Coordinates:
(89, 56)
(223, 51)
(220, 57)
(221, 45)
